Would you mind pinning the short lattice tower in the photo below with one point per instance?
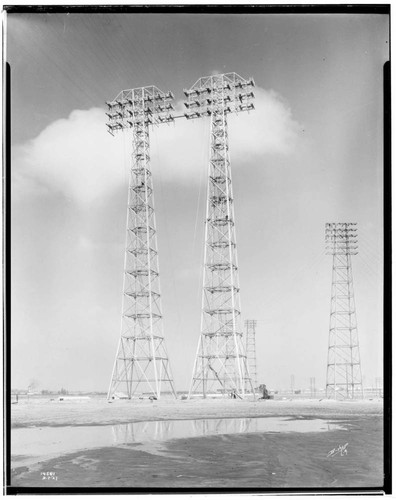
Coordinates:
(250, 331)
(344, 376)
(141, 364)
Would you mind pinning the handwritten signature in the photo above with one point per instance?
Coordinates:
(341, 449)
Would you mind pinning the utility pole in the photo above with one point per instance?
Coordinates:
(344, 376)
(312, 387)
(141, 364)
(220, 363)
(250, 329)
(292, 385)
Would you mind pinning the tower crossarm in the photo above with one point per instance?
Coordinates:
(341, 238)
(139, 106)
(228, 93)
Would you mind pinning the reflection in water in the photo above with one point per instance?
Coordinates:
(138, 432)
(142, 431)
(224, 426)
(31, 444)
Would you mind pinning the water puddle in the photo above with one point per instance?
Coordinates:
(33, 444)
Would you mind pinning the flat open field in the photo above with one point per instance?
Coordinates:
(297, 456)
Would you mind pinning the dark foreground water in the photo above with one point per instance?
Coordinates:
(28, 445)
(264, 453)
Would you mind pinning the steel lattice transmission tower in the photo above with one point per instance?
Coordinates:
(141, 363)
(250, 329)
(344, 376)
(220, 363)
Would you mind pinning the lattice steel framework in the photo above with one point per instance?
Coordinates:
(220, 363)
(250, 329)
(141, 364)
(344, 376)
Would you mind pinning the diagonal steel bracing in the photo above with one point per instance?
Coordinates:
(344, 376)
(141, 364)
(220, 363)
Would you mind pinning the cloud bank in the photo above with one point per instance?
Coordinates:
(77, 158)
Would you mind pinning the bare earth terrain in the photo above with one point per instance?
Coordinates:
(252, 460)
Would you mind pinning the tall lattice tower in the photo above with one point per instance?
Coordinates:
(344, 376)
(250, 329)
(220, 363)
(141, 363)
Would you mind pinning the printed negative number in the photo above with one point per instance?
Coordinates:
(49, 475)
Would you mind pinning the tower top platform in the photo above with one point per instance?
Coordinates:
(341, 238)
(140, 106)
(228, 93)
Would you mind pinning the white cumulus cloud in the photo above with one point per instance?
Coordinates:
(78, 158)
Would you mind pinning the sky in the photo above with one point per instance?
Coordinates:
(310, 153)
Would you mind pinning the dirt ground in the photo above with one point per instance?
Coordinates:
(259, 460)
(43, 412)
